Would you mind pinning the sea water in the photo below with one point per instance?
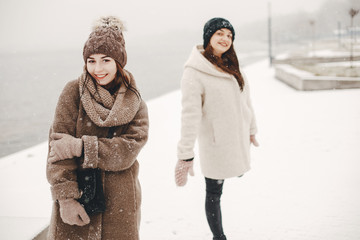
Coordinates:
(31, 82)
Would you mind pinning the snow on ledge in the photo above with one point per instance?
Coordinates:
(303, 80)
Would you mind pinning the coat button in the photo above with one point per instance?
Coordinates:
(86, 200)
(87, 178)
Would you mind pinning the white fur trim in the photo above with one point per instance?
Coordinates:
(110, 22)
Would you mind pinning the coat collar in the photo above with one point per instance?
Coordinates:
(199, 62)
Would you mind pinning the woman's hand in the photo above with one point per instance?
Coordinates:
(64, 146)
(254, 141)
(182, 169)
(72, 213)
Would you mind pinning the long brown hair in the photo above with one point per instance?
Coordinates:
(228, 62)
(121, 75)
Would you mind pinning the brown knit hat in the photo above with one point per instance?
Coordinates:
(107, 38)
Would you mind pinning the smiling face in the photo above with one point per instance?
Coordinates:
(221, 41)
(102, 68)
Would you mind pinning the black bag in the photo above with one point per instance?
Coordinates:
(92, 198)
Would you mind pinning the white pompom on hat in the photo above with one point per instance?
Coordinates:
(107, 38)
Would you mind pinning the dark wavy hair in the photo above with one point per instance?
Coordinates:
(121, 75)
(228, 62)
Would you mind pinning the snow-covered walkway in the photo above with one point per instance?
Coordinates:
(304, 182)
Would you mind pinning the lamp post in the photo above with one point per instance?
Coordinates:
(312, 24)
(339, 34)
(269, 34)
(352, 12)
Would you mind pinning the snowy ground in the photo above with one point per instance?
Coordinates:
(304, 182)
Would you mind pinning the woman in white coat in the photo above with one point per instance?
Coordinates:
(216, 109)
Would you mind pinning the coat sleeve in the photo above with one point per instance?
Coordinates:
(253, 125)
(192, 93)
(61, 175)
(118, 153)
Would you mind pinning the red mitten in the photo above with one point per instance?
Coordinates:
(64, 146)
(181, 171)
(72, 213)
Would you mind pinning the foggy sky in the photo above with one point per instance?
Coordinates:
(59, 24)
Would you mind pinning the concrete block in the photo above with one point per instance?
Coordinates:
(306, 81)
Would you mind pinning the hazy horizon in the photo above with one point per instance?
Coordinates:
(52, 24)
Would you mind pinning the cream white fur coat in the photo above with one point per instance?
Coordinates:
(219, 115)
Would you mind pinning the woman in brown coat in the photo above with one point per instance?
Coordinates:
(100, 122)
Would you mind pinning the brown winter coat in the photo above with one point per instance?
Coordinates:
(116, 156)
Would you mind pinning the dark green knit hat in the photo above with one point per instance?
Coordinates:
(213, 25)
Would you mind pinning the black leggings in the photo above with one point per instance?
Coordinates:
(212, 207)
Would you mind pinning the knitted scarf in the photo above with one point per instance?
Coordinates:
(104, 109)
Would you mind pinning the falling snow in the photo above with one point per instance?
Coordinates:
(303, 183)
